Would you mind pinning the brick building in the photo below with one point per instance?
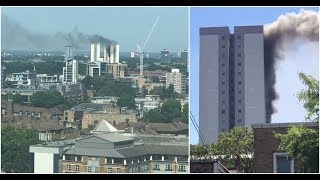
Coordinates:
(267, 157)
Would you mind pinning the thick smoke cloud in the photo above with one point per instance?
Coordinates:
(289, 27)
(15, 37)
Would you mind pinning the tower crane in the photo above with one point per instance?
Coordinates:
(141, 49)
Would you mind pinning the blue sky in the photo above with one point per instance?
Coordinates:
(127, 25)
(298, 57)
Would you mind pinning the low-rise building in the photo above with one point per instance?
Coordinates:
(108, 150)
(86, 115)
(45, 78)
(267, 157)
(25, 78)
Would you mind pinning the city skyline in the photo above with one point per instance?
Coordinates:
(54, 23)
(285, 77)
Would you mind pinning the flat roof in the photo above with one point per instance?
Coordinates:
(273, 125)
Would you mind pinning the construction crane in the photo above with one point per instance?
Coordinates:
(141, 48)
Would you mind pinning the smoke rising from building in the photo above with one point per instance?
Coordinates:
(287, 28)
(16, 37)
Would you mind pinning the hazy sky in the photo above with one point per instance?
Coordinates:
(127, 25)
(302, 56)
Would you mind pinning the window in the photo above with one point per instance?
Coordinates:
(168, 167)
(68, 167)
(118, 170)
(109, 170)
(239, 45)
(223, 130)
(239, 64)
(223, 55)
(239, 73)
(77, 168)
(222, 82)
(96, 169)
(223, 102)
(239, 100)
(239, 54)
(223, 111)
(239, 37)
(223, 73)
(239, 92)
(223, 92)
(282, 163)
(89, 169)
(223, 46)
(223, 64)
(239, 111)
(239, 120)
(223, 37)
(239, 82)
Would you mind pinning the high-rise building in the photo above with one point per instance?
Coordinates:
(231, 79)
(132, 54)
(184, 56)
(3, 73)
(70, 71)
(177, 79)
(95, 52)
(104, 68)
(165, 56)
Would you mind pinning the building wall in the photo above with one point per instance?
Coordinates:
(208, 87)
(43, 163)
(254, 75)
(265, 144)
(89, 118)
(178, 80)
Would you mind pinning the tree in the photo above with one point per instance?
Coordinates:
(310, 97)
(170, 109)
(17, 98)
(301, 142)
(237, 146)
(15, 145)
(126, 101)
(185, 113)
(153, 116)
(87, 82)
(46, 99)
(199, 151)
(155, 79)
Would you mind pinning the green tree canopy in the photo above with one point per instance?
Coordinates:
(237, 145)
(15, 145)
(170, 109)
(17, 98)
(185, 113)
(46, 99)
(302, 142)
(153, 116)
(126, 101)
(310, 97)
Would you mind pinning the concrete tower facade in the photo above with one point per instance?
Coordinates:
(231, 79)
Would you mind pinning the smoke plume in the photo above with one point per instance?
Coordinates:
(16, 37)
(289, 27)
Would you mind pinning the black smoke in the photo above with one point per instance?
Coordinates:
(16, 37)
(289, 27)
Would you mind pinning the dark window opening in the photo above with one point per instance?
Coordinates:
(239, 82)
(223, 111)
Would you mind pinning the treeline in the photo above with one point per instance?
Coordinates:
(49, 67)
(105, 85)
